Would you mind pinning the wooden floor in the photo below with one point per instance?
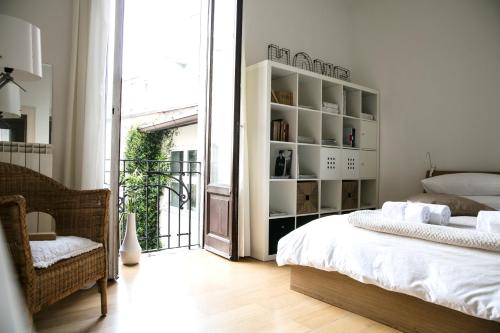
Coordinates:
(195, 291)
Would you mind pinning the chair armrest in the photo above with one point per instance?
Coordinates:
(13, 221)
(81, 213)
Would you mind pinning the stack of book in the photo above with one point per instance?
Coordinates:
(305, 139)
(329, 142)
(330, 107)
(349, 137)
(280, 130)
(367, 116)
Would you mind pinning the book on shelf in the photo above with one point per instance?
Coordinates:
(280, 130)
(349, 136)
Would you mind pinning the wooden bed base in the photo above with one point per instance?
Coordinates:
(405, 313)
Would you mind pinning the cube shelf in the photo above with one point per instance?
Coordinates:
(327, 176)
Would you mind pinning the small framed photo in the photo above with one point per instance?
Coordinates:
(283, 163)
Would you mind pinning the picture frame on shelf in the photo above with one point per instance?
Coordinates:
(283, 163)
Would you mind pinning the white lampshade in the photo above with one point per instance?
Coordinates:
(20, 48)
(10, 101)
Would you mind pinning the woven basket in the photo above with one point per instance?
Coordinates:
(307, 197)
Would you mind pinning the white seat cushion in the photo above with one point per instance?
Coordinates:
(46, 253)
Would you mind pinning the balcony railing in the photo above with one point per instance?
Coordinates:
(163, 195)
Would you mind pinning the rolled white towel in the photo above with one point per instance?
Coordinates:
(417, 213)
(394, 210)
(488, 221)
(440, 214)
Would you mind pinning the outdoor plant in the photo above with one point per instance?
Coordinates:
(143, 183)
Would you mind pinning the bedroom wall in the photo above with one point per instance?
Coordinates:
(319, 27)
(437, 65)
(53, 17)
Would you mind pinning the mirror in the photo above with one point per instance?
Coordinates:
(35, 123)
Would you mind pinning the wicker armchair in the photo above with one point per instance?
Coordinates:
(77, 213)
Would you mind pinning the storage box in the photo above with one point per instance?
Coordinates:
(349, 194)
(307, 197)
(278, 228)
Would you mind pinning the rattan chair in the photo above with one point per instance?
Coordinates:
(76, 213)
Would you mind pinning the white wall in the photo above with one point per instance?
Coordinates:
(186, 138)
(437, 65)
(319, 27)
(38, 98)
(53, 17)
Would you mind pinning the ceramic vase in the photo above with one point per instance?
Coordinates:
(130, 250)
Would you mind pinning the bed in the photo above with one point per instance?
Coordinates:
(410, 284)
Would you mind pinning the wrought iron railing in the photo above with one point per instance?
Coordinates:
(163, 195)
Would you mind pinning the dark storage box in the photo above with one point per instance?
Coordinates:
(277, 229)
(301, 220)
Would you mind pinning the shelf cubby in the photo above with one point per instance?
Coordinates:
(331, 191)
(275, 147)
(309, 123)
(369, 104)
(288, 115)
(332, 93)
(331, 128)
(284, 80)
(309, 92)
(282, 197)
(308, 161)
(351, 123)
(353, 102)
(368, 192)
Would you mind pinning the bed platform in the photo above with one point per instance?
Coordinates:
(405, 313)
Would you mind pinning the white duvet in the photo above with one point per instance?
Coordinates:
(464, 279)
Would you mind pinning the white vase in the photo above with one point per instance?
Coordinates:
(130, 251)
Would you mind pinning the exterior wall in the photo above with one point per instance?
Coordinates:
(186, 138)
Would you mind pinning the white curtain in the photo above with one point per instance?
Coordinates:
(87, 101)
(85, 136)
(244, 181)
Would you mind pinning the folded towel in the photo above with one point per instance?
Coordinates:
(417, 213)
(488, 221)
(440, 214)
(394, 210)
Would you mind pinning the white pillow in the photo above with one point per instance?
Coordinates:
(463, 184)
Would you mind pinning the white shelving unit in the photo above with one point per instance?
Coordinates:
(336, 168)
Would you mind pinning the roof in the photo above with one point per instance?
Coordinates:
(172, 118)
